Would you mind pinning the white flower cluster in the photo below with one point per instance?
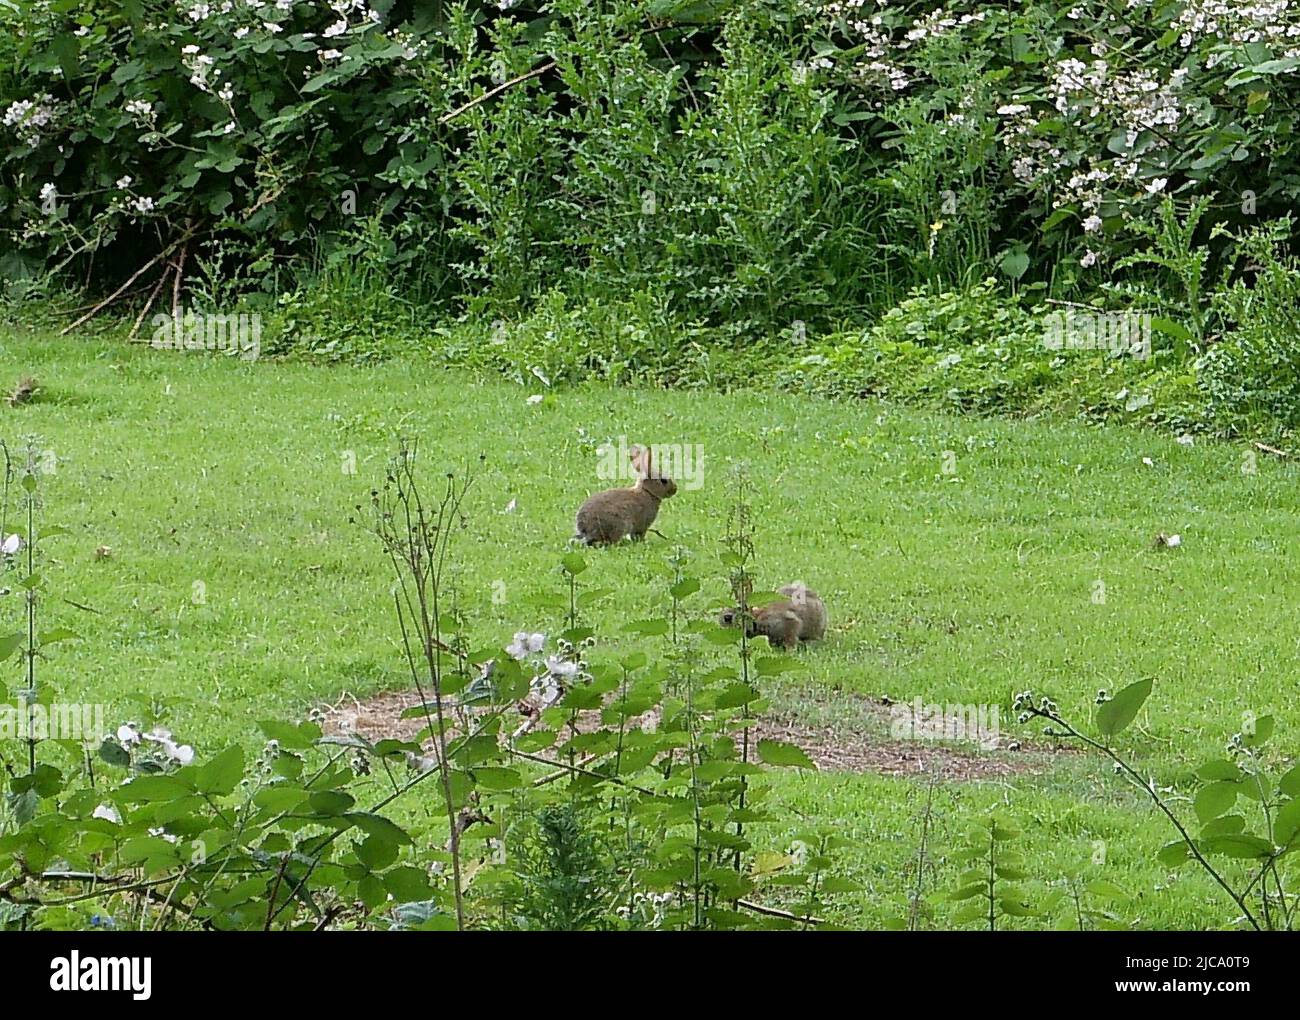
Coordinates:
(1236, 24)
(29, 117)
(554, 673)
(1135, 99)
(1085, 94)
(202, 67)
(129, 736)
(647, 908)
(880, 49)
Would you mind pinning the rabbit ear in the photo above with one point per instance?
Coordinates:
(640, 457)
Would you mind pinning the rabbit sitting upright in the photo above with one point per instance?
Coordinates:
(609, 516)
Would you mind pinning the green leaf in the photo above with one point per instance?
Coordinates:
(1115, 715)
(573, 563)
(1286, 824)
(379, 827)
(294, 737)
(330, 803)
(1214, 799)
(776, 664)
(154, 788)
(969, 891)
(114, 753)
(1239, 846)
(1016, 908)
(56, 635)
(778, 752)
(1105, 890)
(1015, 263)
(222, 774)
(1260, 732)
(686, 586)
(10, 644)
(407, 884)
(1171, 328)
(1219, 771)
(280, 798)
(648, 628)
(736, 695)
(496, 778)
(1223, 825)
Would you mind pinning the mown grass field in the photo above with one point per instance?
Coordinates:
(962, 586)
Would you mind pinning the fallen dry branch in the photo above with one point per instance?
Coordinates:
(536, 72)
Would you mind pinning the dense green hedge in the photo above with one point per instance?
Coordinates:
(680, 191)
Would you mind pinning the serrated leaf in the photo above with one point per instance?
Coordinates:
(222, 774)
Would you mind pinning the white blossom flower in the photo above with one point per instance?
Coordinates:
(1089, 259)
(525, 644)
(128, 735)
(1092, 224)
(10, 545)
(1157, 186)
(125, 182)
(563, 668)
(182, 754)
(108, 813)
(29, 116)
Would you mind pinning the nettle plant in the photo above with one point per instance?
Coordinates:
(569, 788)
(1248, 815)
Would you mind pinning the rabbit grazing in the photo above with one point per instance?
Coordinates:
(799, 617)
(608, 516)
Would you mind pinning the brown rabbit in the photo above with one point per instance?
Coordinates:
(786, 622)
(608, 516)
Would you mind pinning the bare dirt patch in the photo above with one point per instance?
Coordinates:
(836, 752)
(840, 732)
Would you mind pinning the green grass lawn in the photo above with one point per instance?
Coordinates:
(965, 586)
